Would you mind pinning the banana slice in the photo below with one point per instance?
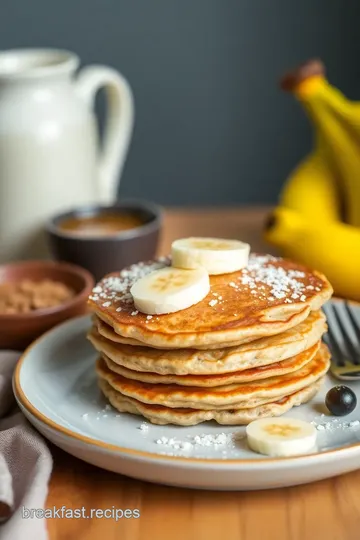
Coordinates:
(216, 255)
(169, 290)
(281, 437)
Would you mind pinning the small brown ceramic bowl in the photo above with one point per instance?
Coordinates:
(17, 331)
(103, 253)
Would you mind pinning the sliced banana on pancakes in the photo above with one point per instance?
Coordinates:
(216, 255)
(281, 437)
(187, 282)
(169, 290)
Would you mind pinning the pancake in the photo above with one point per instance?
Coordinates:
(267, 297)
(246, 395)
(316, 319)
(273, 370)
(225, 360)
(161, 415)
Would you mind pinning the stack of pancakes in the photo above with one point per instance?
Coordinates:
(252, 348)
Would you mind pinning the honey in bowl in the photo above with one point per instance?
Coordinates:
(103, 224)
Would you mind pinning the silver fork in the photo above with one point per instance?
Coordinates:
(345, 353)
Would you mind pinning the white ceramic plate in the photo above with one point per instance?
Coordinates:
(55, 386)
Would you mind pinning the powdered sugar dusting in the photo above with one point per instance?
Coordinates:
(97, 289)
(281, 282)
(220, 439)
(116, 288)
(264, 278)
(215, 441)
(333, 425)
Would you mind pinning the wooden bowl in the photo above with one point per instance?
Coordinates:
(17, 331)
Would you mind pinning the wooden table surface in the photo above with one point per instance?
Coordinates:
(328, 510)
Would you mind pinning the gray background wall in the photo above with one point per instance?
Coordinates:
(211, 125)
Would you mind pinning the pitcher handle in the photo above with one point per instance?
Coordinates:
(118, 126)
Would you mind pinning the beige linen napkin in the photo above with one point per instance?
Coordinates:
(25, 464)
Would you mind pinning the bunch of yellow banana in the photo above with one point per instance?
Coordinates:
(318, 218)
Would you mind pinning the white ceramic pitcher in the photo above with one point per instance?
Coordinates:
(50, 158)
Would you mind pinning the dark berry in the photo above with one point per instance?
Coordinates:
(340, 400)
